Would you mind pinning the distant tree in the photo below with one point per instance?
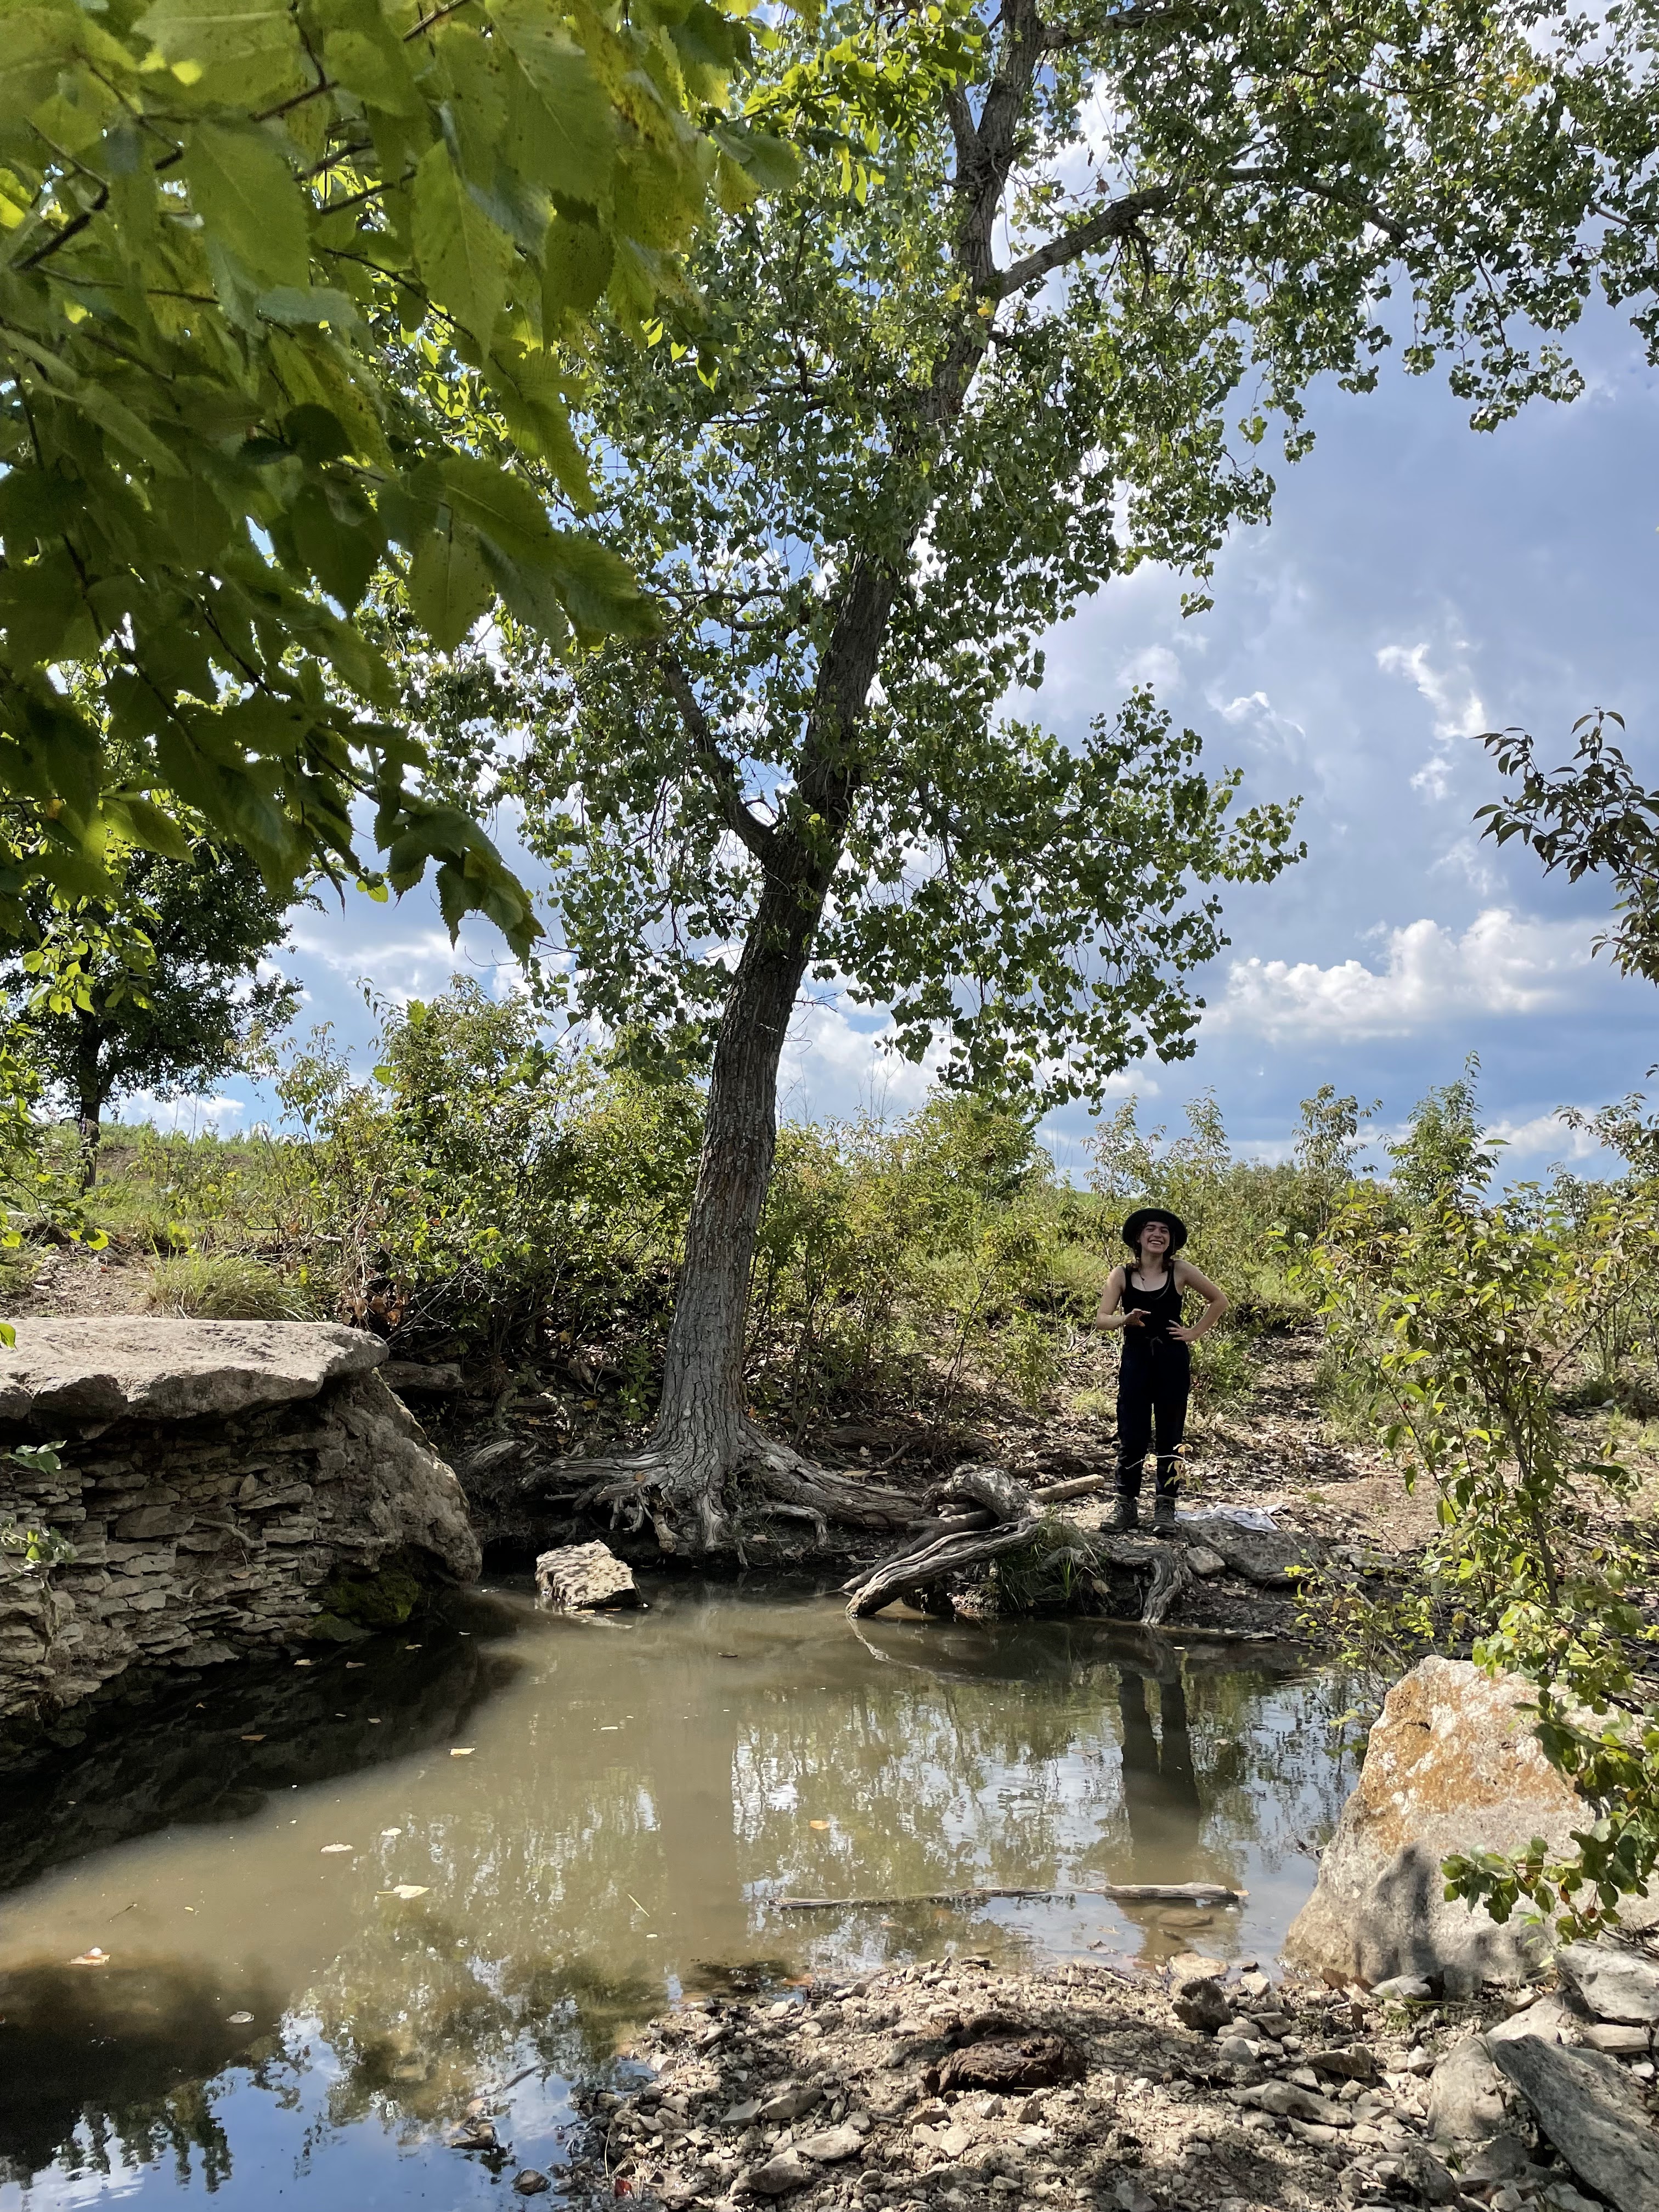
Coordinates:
(181, 1023)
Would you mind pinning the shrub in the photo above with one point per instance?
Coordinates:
(1467, 1313)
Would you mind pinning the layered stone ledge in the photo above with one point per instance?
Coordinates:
(217, 1479)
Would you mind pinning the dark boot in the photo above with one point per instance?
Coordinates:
(1163, 1517)
(1125, 1514)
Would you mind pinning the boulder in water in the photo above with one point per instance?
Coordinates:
(585, 1579)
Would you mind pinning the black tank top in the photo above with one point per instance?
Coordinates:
(1162, 1308)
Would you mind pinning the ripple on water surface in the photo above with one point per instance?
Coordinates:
(326, 1905)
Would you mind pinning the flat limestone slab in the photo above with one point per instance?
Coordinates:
(154, 1368)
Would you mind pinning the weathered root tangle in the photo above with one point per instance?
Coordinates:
(1006, 1517)
(694, 1506)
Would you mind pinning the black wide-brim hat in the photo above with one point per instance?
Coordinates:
(1138, 1220)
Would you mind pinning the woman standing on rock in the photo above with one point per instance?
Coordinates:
(1144, 1300)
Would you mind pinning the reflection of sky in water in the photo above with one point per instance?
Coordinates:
(637, 1793)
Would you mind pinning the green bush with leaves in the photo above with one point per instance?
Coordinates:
(1468, 1311)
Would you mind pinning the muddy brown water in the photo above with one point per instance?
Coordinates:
(598, 1817)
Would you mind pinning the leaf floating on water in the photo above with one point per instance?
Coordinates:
(817, 1823)
(327, 1848)
(93, 1958)
(406, 1889)
(465, 1753)
(238, 2019)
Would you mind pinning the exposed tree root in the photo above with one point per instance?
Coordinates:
(670, 1488)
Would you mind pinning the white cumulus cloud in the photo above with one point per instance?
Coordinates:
(1549, 1133)
(1502, 963)
(1155, 665)
(1457, 708)
(195, 1116)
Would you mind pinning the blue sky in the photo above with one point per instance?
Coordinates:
(1420, 582)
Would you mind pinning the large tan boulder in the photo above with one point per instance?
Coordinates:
(1452, 1765)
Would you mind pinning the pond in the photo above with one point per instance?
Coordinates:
(337, 1900)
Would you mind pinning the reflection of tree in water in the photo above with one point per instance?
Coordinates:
(105, 2069)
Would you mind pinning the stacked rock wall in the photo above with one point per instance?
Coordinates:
(215, 1478)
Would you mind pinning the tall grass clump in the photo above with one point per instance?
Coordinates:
(225, 1287)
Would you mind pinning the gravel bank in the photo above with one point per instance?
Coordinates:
(870, 2094)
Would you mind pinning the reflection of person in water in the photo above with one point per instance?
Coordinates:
(1160, 1791)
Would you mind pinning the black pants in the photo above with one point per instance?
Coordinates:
(1152, 1384)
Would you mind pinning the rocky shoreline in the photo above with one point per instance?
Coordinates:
(1203, 2088)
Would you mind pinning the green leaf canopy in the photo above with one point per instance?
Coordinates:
(220, 221)
(1044, 345)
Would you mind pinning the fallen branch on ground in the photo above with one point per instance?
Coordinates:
(992, 1496)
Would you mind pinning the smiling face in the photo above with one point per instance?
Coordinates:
(1155, 1240)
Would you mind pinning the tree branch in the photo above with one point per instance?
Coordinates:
(1395, 232)
(756, 836)
(1115, 220)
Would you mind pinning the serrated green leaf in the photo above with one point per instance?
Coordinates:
(376, 69)
(499, 507)
(462, 255)
(576, 264)
(142, 820)
(249, 200)
(449, 587)
(529, 593)
(600, 592)
(566, 132)
(241, 49)
(534, 406)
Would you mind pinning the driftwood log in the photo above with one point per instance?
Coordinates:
(920, 1566)
(1120, 1893)
(989, 1490)
(997, 1514)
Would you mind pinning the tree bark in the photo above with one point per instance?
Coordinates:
(701, 1433)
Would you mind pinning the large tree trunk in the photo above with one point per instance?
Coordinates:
(700, 1418)
(701, 1436)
